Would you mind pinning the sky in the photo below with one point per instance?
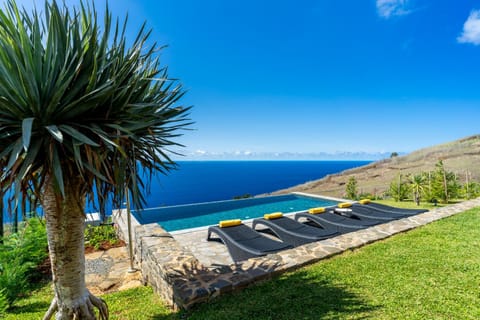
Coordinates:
(269, 77)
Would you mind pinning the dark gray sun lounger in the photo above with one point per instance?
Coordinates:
(341, 223)
(389, 209)
(243, 242)
(294, 232)
(367, 214)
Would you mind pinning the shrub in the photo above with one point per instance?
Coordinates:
(470, 190)
(13, 278)
(351, 189)
(34, 242)
(398, 189)
(368, 195)
(444, 184)
(3, 303)
(20, 255)
(96, 236)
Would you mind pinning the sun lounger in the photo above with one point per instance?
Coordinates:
(341, 223)
(243, 242)
(363, 208)
(294, 232)
(367, 214)
(389, 209)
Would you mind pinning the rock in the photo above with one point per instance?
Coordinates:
(107, 284)
(130, 285)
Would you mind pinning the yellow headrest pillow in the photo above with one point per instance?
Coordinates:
(271, 216)
(364, 201)
(316, 210)
(344, 205)
(229, 223)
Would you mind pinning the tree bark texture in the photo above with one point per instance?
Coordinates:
(65, 220)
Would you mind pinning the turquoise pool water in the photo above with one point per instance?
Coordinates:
(181, 217)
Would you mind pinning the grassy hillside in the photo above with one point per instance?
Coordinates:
(458, 156)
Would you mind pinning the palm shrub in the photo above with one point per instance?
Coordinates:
(79, 110)
(417, 183)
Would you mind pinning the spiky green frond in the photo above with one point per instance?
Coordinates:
(77, 100)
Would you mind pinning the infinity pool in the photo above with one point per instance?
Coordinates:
(188, 216)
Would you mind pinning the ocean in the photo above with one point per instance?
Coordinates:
(203, 181)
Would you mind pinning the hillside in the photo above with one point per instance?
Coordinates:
(458, 156)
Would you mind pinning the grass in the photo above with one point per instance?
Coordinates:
(139, 303)
(412, 205)
(432, 272)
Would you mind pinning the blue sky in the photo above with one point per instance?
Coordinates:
(319, 76)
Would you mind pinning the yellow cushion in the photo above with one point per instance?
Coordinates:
(271, 216)
(344, 205)
(364, 201)
(229, 223)
(316, 210)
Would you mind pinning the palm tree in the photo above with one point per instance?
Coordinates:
(79, 108)
(417, 182)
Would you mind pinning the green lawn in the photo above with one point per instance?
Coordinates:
(432, 272)
(412, 205)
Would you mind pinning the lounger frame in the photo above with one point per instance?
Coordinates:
(244, 243)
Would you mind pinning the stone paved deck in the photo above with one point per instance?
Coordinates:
(185, 269)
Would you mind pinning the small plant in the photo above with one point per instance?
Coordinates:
(102, 236)
(351, 189)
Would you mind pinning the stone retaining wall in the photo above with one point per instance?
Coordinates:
(182, 281)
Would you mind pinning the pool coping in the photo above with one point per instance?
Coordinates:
(182, 281)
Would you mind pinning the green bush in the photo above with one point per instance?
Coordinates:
(3, 303)
(368, 195)
(398, 189)
(20, 255)
(13, 278)
(95, 236)
(351, 189)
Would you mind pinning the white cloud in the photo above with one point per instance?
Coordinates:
(390, 8)
(471, 29)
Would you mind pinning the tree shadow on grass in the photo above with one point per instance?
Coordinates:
(298, 295)
(32, 307)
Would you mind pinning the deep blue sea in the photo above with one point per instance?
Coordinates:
(203, 181)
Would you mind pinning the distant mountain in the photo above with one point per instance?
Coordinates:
(248, 155)
(459, 156)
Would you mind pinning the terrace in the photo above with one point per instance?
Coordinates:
(185, 269)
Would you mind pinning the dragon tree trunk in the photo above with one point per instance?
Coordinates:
(65, 220)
